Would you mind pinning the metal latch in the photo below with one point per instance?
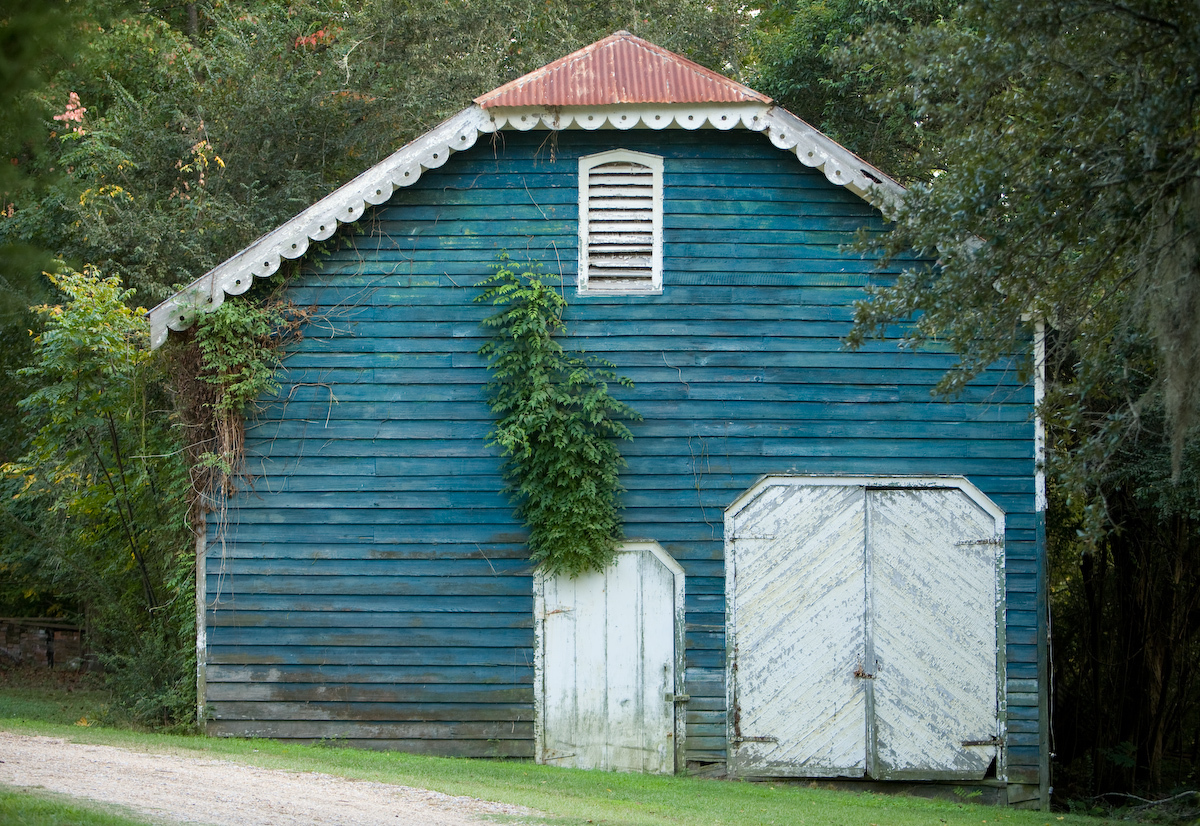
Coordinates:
(737, 741)
(991, 741)
(676, 698)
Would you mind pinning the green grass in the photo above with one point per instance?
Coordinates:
(21, 808)
(51, 697)
(567, 796)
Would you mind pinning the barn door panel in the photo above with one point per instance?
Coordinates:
(863, 629)
(607, 664)
(932, 561)
(570, 684)
(797, 593)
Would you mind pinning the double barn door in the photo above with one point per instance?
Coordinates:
(863, 630)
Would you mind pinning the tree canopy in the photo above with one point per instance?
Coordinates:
(1065, 186)
(1061, 187)
(799, 57)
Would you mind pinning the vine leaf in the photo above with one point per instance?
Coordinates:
(557, 424)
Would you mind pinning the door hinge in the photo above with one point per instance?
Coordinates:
(676, 698)
(994, 540)
(737, 741)
(991, 741)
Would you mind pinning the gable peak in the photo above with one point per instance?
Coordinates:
(621, 68)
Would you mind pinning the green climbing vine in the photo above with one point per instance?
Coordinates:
(557, 424)
(239, 346)
(229, 361)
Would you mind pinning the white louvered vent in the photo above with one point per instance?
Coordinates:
(620, 232)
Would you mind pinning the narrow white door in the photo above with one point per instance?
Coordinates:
(607, 667)
(794, 583)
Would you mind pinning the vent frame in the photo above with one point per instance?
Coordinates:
(622, 191)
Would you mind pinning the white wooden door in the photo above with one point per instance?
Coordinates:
(798, 597)
(932, 572)
(863, 630)
(607, 667)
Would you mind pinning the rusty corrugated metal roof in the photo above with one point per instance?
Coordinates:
(621, 68)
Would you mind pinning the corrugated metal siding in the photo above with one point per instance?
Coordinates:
(377, 576)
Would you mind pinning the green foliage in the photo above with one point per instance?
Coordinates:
(1067, 190)
(557, 425)
(32, 37)
(431, 58)
(239, 347)
(804, 55)
(192, 144)
(103, 487)
(1127, 622)
(1068, 134)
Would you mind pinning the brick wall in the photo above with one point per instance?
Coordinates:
(45, 643)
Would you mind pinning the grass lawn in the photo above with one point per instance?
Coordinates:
(22, 808)
(57, 697)
(568, 796)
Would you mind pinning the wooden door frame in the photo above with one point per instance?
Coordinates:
(961, 483)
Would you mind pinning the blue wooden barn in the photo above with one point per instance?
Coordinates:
(829, 572)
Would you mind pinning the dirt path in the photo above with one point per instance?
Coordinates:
(167, 788)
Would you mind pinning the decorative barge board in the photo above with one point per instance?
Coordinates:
(374, 586)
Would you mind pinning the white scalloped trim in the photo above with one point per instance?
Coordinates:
(721, 116)
(375, 186)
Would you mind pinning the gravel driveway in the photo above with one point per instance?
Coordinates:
(168, 788)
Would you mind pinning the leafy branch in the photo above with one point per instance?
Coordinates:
(557, 425)
(92, 370)
(240, 348)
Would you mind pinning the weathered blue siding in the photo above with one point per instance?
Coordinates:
(375, 586)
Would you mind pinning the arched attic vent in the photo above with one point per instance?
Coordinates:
(621, 82)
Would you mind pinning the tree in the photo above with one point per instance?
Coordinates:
(104, 467)
(179, 150)
(1064, 186)
(32, 35)
(801, 56)
(1067, 137)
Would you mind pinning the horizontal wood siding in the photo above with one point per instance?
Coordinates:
(374, 587)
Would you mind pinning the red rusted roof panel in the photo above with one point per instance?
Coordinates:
(620, 68)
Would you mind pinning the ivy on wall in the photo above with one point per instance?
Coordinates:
(240, 346)
(557, 424)
(220, 369)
